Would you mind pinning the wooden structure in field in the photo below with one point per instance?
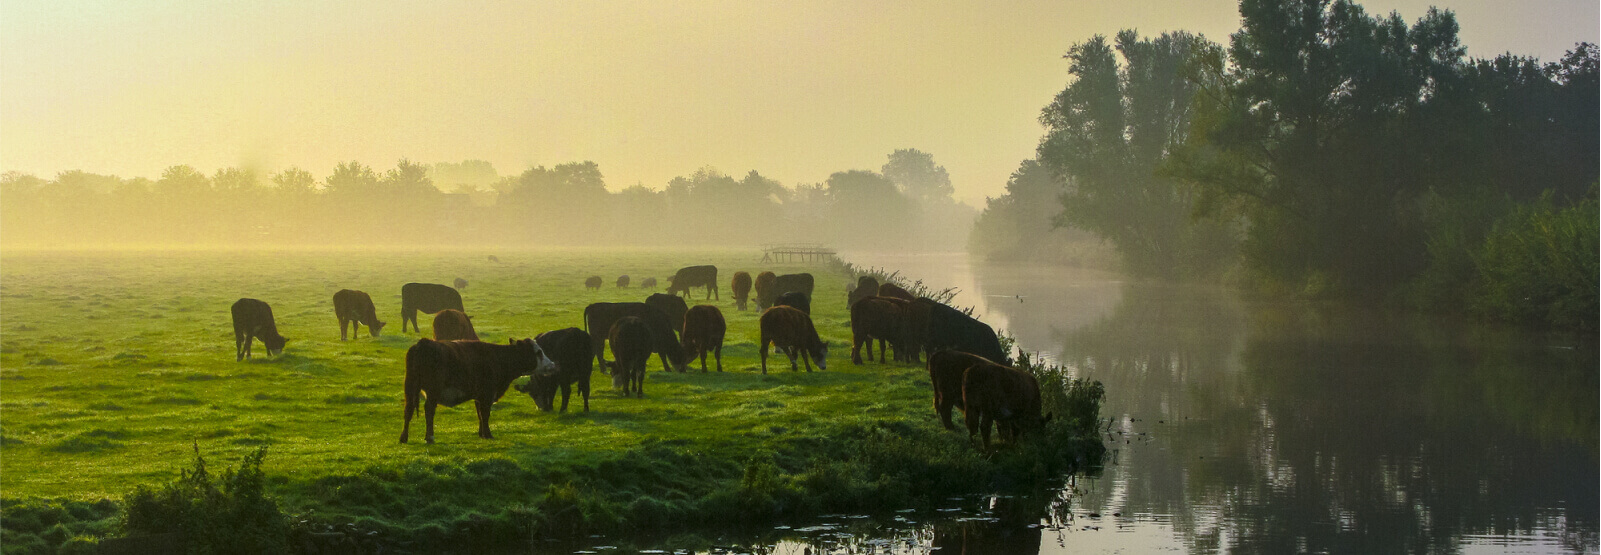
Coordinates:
(795, 252)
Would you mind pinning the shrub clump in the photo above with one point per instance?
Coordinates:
(228, 514)
(1539, 265)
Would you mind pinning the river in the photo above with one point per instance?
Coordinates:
(1248, 426)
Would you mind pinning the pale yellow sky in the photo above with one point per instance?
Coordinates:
(649, 90)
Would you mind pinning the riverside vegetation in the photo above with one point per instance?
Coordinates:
(118, 373)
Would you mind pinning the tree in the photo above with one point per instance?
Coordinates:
(352, 178)
(235, 180)
(477, 174)
(295, 181)
(1110, 130)
(915, 174)
(408, 178)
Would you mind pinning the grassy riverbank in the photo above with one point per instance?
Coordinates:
(116, 365)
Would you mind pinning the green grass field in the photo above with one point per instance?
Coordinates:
(113, 365)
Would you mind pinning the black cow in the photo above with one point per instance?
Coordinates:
(796, 299)
(428, 298)
(575, 363)
(694, 276)
(450, 373)
(252, 319)
(599, 317)
(948, 328)
(671, 305)
(355, 307)
(794, 282)
(631, 340)
(592, 283)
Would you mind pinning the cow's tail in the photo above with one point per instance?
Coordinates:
(594, 341)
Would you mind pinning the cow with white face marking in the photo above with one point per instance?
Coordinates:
(450, 373)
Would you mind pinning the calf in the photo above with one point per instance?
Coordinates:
(866, 286)
(671, 305)
(796, 299)
(570, 350)
(451, 324)
(877, 318)
(704, 329)
(648, 283)
(1009, 398)
(622, 281)
(450, 373)
(945, 371)
(766, 283)
(694, 276)
(892, 290)
(791, 330)
(599, 317)
(630, 348)
(593, 282)
(428, 298)
(741, 288)
(252, 319)
(355, 307)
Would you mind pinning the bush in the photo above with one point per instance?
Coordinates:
(238, 517)
(1538, 266)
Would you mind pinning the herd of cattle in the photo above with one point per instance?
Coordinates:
(965, 361)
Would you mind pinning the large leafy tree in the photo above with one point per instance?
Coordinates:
(917, 176)
(1110, 130)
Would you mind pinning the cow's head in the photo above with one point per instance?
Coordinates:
(542, 389)
(822, 356)
(542, 365)
(275, 345)
(376, 327)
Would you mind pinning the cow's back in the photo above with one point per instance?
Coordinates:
(570, 348)
(671, 305)
(429, 297)
(797, 300)
(801, 282)
(254, 316)
(891, 290)
(946, 370)
(451, 324)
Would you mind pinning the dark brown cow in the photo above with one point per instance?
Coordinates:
(949, 328)
(866, 286)
(355, 307)
(945, 371)
(622, 281)
(704, 329)
(451, 324)
(630, 349)
(891, 290)
(877, 318)
(997, 394)
(792, 331)
(252, 319)
(593, 282)
(427, 298)
(599, 317)
(671, 305)
(795, 299)
(741, 288)
(460, 284)
(450, 373)
(575, 363)
(694, 276)
(801, 282)
(648, 283)
(766, 283)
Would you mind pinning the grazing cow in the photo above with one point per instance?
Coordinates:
(355, 307)
(451, 324)
(945, 371)
(796, 299)
(460, 284)
(877, 318)
(891, 290)
(570, 350)
(495, 259)
(648, 283)
(791, 331)
(630, 349)
(766, 285)
(252, 319)
(450, 373)
(593, 282)
(599, 317)
(794, 282)
(741, 288)
(948, 328)
(622, 281)
(694, 276)
(1009, 398)
(866, 286)
(704, 329)
(671, 305)
(428, 298)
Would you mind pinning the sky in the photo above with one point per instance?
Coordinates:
(648, 90)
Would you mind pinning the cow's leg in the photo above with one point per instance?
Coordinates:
(972, 420)
(249, 339)
(428, 416)
(640, 386)
(790, 351)
(238, 346)
(984, 428)
(719, 354)
(483, 419)
(763, 351)
(806, 357)
(583, 389)
(881, 350)
(598, 344)
(566, 391)
(702, 359)
(411, 408)
(856, 350)
(943, 407)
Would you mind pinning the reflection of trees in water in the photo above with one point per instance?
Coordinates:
(1340, 431)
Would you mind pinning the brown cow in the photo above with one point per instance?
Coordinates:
(945, 371)
(877, 318)
(451, 324)
(450, 373)
(460, 283)
(593, 282)
(997, 394)
(792, 331)
(631, 343)
(766, 283)
(704, 329)
(866, 286)
(355, 307)
(252, 319)
(622, 281)
(648, 283)
(741, 288)
(891, 290)
(694, 276)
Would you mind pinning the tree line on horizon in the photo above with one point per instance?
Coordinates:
(1322, 154)
(906, 204)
